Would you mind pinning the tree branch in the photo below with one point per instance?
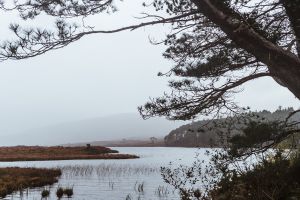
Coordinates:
(33, 43)
(283, 64)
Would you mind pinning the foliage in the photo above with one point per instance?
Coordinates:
(251, 165)
(216, 46)
(275, 177)
(211, 58)
(261, 136)
(216, 132)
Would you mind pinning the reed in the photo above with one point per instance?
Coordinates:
(162, 191)
(139, 187)
(107, 170)
(14, 179)
(111, 185)
(128, 197)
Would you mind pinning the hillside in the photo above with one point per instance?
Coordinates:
(128, 126)
(204, 134)
(159, 142)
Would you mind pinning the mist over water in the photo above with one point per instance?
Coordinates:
(113, 127)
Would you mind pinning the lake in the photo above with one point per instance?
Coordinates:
(115, 179)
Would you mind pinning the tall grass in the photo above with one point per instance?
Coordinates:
(107, 170)
(111, 185)
(139, 187)
(107, 175)
(128, 197)
(162, 191)
(13, 179)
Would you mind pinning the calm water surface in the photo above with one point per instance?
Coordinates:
(132, 179)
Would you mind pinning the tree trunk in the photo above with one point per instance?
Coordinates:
(283, 65)
(293, 12)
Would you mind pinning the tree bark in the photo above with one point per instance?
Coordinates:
(292, 8)
(282, 64)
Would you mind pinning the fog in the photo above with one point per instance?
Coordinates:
(98, 76)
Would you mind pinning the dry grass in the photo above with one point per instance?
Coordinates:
(35, 153)
(17, 179)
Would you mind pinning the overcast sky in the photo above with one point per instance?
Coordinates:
(99, 75)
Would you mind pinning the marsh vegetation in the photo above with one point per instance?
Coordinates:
(111, 179)
(39, 153)
(14, 179)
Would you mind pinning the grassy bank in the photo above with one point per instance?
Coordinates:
(14, 179)
(38, 153)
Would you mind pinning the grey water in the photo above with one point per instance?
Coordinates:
(132, 179)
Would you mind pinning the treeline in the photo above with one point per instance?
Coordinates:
(207, 133)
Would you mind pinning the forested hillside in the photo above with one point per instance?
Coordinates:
(206, 133)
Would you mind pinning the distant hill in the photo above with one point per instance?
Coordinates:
(203, 134)
(115, 127)
(158, 142)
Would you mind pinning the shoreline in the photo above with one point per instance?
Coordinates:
(40, 153)
(100, 157)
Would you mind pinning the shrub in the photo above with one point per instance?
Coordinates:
(45, 193)
(59, 192)
(68, 192)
